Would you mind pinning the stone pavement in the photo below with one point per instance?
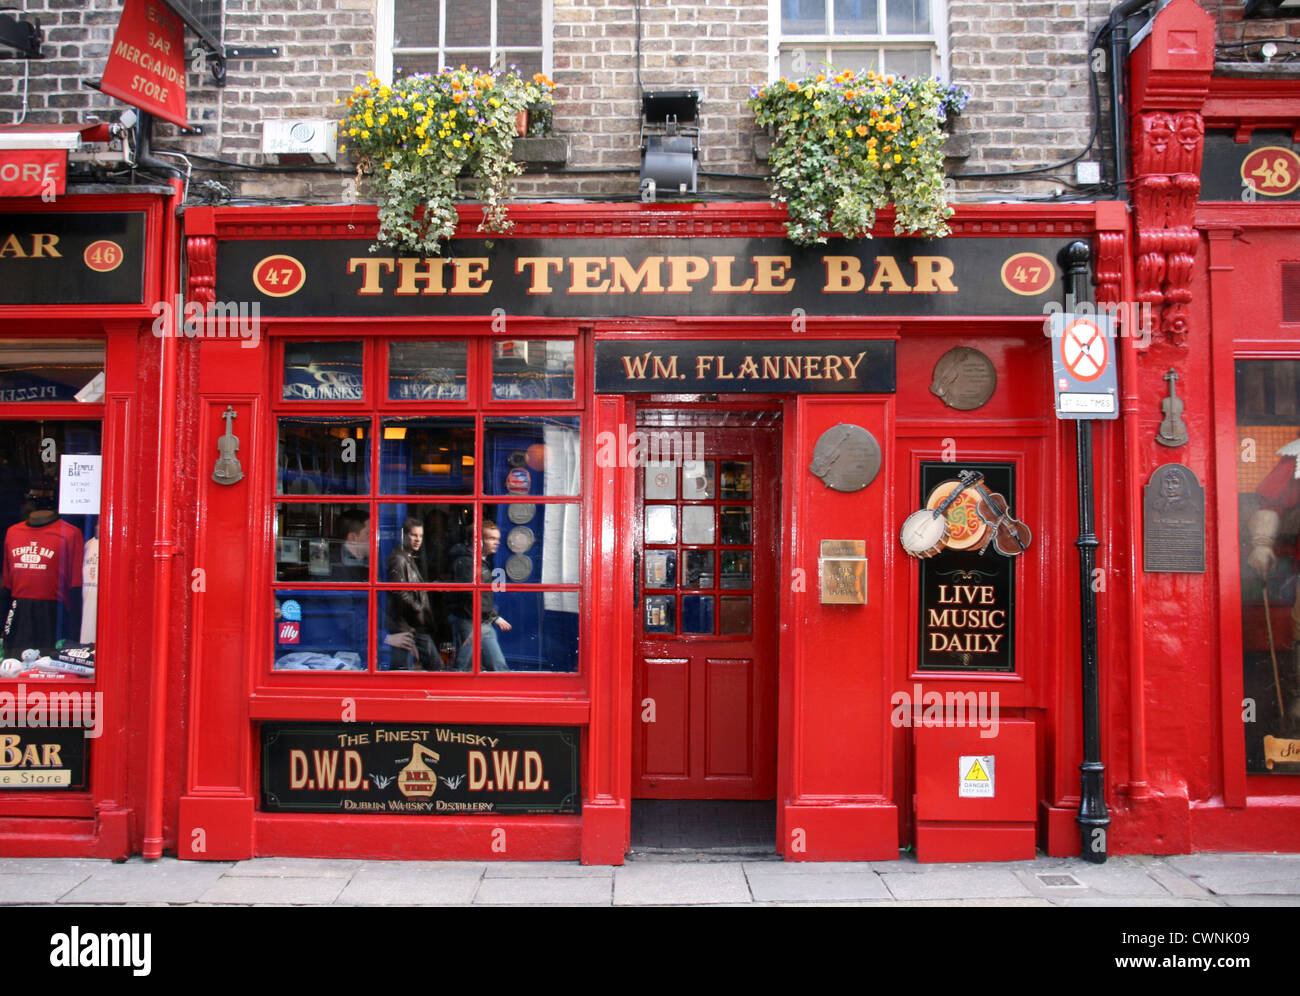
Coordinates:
(1183, 880)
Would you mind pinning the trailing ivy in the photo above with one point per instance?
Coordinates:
(848, 145)
(416, 136)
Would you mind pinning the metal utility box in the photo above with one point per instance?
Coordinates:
(975, 795)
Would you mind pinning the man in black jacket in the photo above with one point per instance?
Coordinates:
(410, 616)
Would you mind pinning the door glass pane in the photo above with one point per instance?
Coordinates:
(697, 614)
(427, 456)
(697, 480)
(322, 371)
(697, 524)
(735, 526)
(660, 524)
(660, 568)
(432, 370)
(735, 614)
(737, 480)
(736, 569)
(698, 572)
(659, 614)
(323, 456)
(660, 481)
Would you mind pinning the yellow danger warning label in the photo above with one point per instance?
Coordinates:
(975, 776)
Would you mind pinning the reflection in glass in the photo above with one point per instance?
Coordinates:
(427, 456)
(323, 456)
(698, 572)
(428, 370)
(321, 542)
(51, 370)
(532, 369)
(531, 455)
(697, 524)
(320, 630)
(660, 524)
(660, 568)
(323, 371)
(857, 17)
(735, 526)
(907, 17)
(697, 614)
(735, 569)
(440, 533)
(540, 632)
(415, 631)
(803, 17)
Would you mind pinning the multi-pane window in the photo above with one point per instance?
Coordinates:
(698, 547)
(889, 36)
(427, 35)
(427, 506)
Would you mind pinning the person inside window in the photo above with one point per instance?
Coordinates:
(410, 616)
(462, 605)
(352, 562)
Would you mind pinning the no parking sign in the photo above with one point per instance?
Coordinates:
(1083, 366)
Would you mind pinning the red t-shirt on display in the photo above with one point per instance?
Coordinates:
(43, 562)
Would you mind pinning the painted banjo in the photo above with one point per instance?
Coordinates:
(925, 533)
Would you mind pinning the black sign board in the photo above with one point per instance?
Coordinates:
(968, 598)
(595, 277)
(1173, 521)
(72, 258)
(419, 769)
(795, 366)
(1264, 168)
(36, 758)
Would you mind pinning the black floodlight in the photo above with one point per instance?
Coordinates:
(669, 152)
(1273, 8)
(25, 36)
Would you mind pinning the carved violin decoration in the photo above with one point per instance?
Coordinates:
(925, 533)
(228, 470)
(1007, 534)
(1173, 430)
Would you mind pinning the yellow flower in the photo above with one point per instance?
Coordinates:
(897, 158)
(456, 142)
(365, 134)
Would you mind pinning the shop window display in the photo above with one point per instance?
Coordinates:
(450, 538)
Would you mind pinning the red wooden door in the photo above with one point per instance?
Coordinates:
(706, 618)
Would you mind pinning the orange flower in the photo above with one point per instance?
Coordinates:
(792, 87)
(457, 97)
(862, 130)
(850, 94)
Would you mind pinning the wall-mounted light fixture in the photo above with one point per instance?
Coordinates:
(25, 36)
(670, 142)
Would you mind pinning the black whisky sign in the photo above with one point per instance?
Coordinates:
(419, 769)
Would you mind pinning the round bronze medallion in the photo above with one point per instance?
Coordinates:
(964, 379)
(519, 567)
(846, 457)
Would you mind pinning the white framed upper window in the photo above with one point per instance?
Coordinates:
(902, 37)
(423, 36)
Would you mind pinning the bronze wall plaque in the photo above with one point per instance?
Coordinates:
(1173, 520)
(846, 457)
(964, 379)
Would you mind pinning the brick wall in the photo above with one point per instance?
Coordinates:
(1025, 63)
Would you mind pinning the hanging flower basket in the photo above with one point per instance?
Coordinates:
(848, 145)
(416, 136)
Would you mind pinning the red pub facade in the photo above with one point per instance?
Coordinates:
(463, 557)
